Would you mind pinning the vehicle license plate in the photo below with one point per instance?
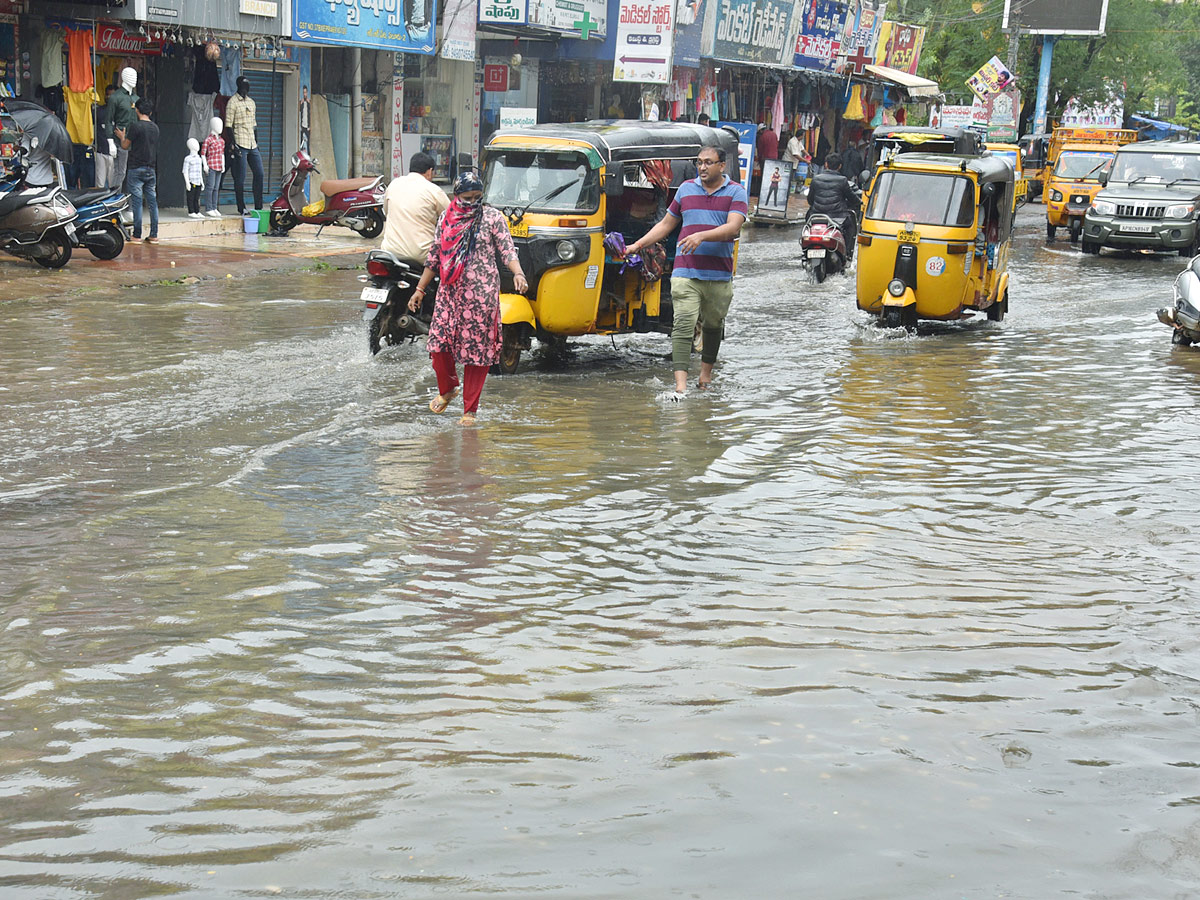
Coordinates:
(1137, 229)
(521, 229)
(816, 254)
(908, 237)
(374, 295)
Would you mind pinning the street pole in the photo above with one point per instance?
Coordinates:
(1043, 92)
(1014, 40)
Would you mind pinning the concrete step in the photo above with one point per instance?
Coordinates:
(175, 224)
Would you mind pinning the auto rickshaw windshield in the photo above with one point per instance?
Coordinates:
(924, 198)
(1078, 166)
(1156, 167)
(552, 181)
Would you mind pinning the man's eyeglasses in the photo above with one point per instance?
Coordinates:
(708, 162)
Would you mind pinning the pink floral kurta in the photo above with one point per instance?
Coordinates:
(466, 317)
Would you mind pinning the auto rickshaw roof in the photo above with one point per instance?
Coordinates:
(625, 140)
(899, 132)
(986, 168)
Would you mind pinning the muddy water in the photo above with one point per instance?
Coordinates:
(881, 616)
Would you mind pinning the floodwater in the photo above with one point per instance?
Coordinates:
(881, 616)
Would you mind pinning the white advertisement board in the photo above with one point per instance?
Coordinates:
(518, 117)
(506, 12)
(645, 37)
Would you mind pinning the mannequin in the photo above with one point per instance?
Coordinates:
(193, 177)
(213, 152)
(241, 117)
(120, 114)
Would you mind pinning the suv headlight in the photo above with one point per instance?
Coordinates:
(1179, 211)
(1056, 196)
(1104, 208)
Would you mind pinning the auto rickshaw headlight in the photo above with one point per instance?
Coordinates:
(1104, 208)
(896, 287)
(1179, 211)
(565, 250)
(1056, 196)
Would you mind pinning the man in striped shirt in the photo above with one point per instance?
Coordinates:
(712, 209)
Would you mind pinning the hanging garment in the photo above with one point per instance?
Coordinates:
(200, 113)
(777, 111)
(52, 57)
(205, 78)
(854, 106)
(231, 70)
(80, 124)
(80, 74)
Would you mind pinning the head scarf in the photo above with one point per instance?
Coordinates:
(460, 228)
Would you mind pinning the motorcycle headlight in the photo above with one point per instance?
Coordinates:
(1179, 211)
(1056, 196)
(896, 287)
(1104, 208)
(565, 251)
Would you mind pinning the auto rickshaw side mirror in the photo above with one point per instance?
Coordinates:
(864, 177)
(614, 183)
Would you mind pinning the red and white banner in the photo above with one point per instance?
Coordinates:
(113, 41)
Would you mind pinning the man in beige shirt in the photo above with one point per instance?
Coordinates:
(242, 119)
(411, 207)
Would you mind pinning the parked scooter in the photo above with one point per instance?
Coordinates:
(390, 284)
(356, 203)
(1184, 314)
(100, 227)
(822, 247)
(36, 223)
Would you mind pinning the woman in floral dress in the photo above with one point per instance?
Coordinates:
(470, 242)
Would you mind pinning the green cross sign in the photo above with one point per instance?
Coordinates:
(586, 25)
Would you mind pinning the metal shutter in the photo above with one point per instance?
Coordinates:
(266, 88)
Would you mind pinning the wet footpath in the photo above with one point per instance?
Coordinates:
(880, 616)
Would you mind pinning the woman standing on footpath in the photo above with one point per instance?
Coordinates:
(471, 239)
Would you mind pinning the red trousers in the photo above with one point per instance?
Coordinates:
(447, 379)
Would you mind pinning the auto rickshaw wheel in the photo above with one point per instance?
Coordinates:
(1076, 230)
(1180, 339)
(996, 311)
(1051, 231)
(510, 359)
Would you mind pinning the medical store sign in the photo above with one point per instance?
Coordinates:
(755, 31)
(397, 25)
(504, 12)
(822, 28)
(644, 41)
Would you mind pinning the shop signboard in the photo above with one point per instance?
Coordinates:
(495, 78)
(397, 115)
(383, 25)
(899, 46)
(644, 41)
(993, 77)
(958, 115)
(503, 12)
(689, 29)
(1110, 114)
(458, 30)
(112, 40)
(862, 36)
(584, 19)
(822, 29)
(1003, 110)
(761, 32)
(518, 117)
(12, 7)
(258, 17)
(747, 132)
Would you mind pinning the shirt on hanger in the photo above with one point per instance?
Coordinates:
(52, 57)
(80, 125)
(80, 75)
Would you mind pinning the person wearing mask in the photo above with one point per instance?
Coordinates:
(412, 205)
(831, 194)
(141, 140)
(241, 117)
(470, 244)
(712, 208)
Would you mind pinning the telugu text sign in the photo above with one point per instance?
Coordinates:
(754, 31)
(382, 26)
(504, 12)
(575, 17)
(644, 41)
(822, 30)
(899, 46)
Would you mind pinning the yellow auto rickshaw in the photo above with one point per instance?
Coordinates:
(1011, 154)
(935, 238)
(562, 188)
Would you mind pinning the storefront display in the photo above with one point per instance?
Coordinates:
(441, 148)
(10, 63)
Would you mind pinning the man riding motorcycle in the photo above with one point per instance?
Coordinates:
(831, 194)
(411, 207)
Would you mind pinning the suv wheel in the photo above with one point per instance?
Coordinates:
(1090, 247)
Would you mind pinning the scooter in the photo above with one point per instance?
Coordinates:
(822, 247)
(36, 223)
(356, 203)
(100, 226)
(390, 284)
(1184, 314)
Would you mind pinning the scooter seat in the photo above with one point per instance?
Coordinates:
(336, 186)
(89, 196)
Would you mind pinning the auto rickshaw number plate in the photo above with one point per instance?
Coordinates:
(521, 229)
(908, 237)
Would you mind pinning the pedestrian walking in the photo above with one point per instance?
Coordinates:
(712, 208)
(193, 178)
(471, 242)
(141, 140)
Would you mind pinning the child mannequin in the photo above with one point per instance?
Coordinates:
(193, 177)
(214, 158)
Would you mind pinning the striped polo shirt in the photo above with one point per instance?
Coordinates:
(700, 211)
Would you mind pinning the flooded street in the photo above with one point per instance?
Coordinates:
(881, 616)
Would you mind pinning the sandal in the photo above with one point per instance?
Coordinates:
(467, 420)
(439, 403)
(704, 385)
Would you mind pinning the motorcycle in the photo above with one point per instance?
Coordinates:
(822, 247)
(1184, 314)
(36, 223)
(390, 284)
(100, 226)
(356, 203)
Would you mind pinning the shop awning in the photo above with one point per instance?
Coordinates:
(1156, 130)
(916, 86)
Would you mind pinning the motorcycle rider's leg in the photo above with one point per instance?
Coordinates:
(256, 170)
(135, 200)
(850, 232)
